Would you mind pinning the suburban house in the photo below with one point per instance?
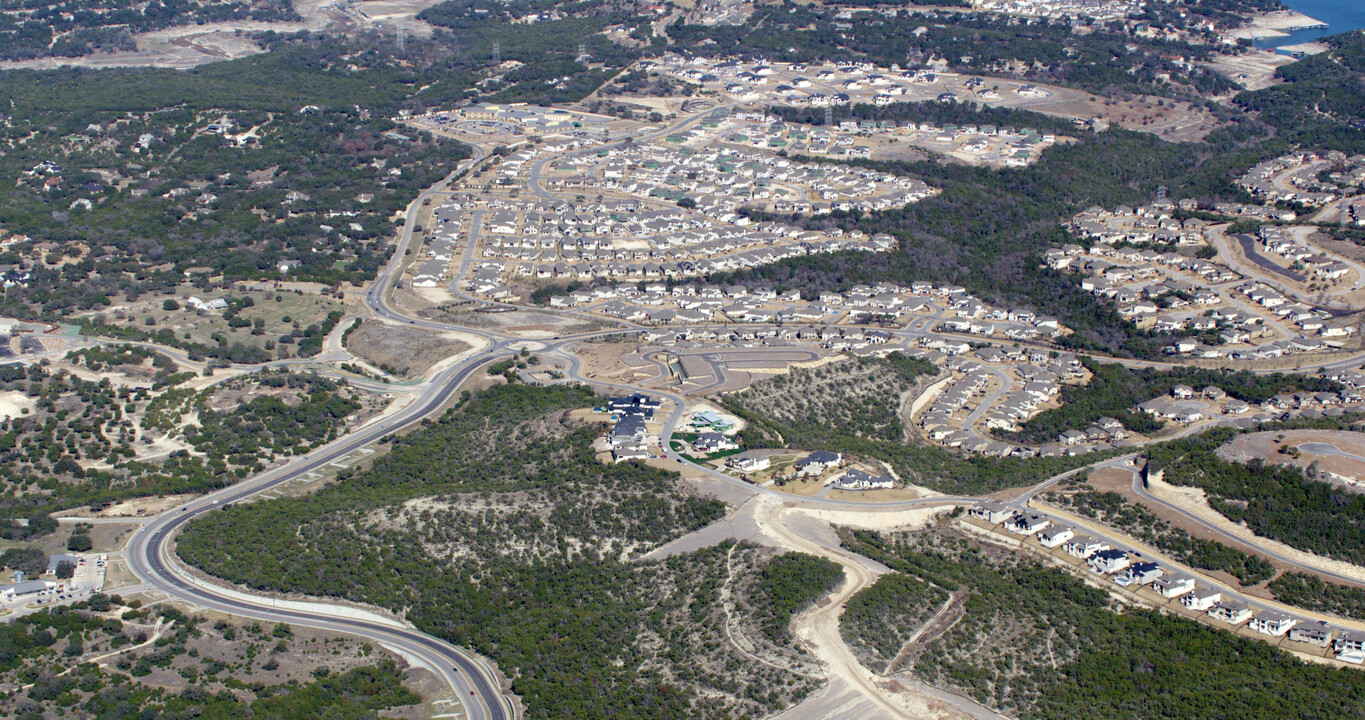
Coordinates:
(1108, 562)
(1201, 599)
(709, 419)
(1027, 523)
(1139, 573)
(1318, 634)
(629, 430)
(991, 511)
(856, 479)
(1231, 612)
(634, 401)
(748, 463)
(1172, 586)
(1350, 646)
(818, 462)
(1271, 622)
(630, 451)
(1083, 546)
(1054, 536)
(713, 442)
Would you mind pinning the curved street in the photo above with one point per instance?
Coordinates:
(151, 550)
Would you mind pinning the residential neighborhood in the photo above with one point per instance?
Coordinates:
(1161, 585)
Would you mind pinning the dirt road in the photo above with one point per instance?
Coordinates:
(818, 629)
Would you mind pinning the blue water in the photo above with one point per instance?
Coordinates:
(1340, 16)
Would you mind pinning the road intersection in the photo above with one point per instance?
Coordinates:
(481, 691)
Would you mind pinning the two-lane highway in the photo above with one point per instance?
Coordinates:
(151, 557)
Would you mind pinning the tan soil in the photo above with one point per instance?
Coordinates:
(818, 627)
(1194, 501)
(404, 350)
(1266, 447)
(13, 403)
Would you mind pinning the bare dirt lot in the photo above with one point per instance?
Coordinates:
(139, 507)
(1338, 456)
(193, 45)
(604, 361)
(402, 350)
(1253, 70)
(14, 403)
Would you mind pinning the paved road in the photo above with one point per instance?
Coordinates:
(1140, 488)
(1274, 278)
(151, 557)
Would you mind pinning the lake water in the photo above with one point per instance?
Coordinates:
(1340, 16)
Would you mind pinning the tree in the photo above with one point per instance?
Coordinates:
(79, 542)
(65, 570)
(31, 561)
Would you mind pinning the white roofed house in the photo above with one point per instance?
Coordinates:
(1201, 599)
(748, 463)
(1054, 536)
(1083, 546)
(1350, 646)
(1232, 612)
(1270, 622)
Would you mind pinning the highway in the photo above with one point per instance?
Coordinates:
(151, 557)
(150, 552)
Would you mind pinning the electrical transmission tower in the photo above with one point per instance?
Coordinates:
(497, 53)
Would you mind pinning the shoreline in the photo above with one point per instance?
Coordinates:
(1277, 24)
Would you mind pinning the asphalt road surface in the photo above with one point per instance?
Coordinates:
(151, 557)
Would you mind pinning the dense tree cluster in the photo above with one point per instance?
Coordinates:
(878, 621)
(1320, 104)
(1115, 391)
(533, 563)
(1274, 501)
(1139, 522)
(1039, 644)
(1311, 592)
(868, 426)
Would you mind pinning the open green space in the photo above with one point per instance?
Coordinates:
(535, 563)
